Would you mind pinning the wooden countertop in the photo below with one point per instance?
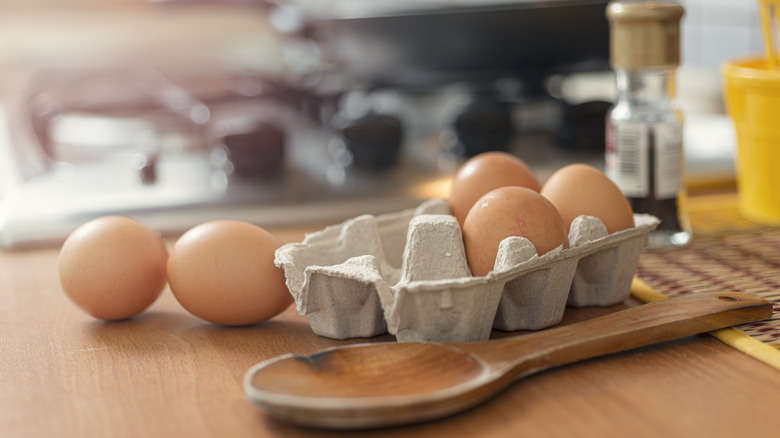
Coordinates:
(166, 373)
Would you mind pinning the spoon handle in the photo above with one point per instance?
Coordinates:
(634, 327)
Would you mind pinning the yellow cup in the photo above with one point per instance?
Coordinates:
(752, 94)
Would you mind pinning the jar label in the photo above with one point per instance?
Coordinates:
(645, 160)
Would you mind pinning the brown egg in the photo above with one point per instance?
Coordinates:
(483, 173)
(223, 272)
(580, 189)
(510, 211)
(113, 267)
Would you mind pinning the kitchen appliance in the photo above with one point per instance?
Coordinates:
(377, 104)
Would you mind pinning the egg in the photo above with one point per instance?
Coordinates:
(483, 173)
(223, 272)
(581, 189)
(113, 267)
(510, 211)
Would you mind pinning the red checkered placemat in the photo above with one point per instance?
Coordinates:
(727, 253)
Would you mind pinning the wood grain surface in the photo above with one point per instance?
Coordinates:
(167, 373)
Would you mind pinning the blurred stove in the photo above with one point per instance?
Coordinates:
(175, 149)
(360, 118)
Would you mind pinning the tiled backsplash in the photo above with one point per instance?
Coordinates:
(716, 30)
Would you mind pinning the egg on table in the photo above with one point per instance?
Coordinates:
(510, 211)
(483, 173)
(113, 267)
(223, 272)
(581, 189)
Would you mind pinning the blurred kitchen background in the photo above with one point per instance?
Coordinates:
(310, 112)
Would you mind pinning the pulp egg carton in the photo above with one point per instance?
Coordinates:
(406, 273)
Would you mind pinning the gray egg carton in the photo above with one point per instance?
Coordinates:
(406, 273)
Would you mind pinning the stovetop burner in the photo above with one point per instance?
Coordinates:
(175, 149)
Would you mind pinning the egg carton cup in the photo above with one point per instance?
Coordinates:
(406, 273)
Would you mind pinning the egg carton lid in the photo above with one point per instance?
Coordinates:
(406, 273)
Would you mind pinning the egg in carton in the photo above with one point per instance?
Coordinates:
(406, 273)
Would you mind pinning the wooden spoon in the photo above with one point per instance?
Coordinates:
(380, 384)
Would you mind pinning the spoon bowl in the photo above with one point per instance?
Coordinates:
(380, 384)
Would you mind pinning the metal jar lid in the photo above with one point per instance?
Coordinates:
(644, 33)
